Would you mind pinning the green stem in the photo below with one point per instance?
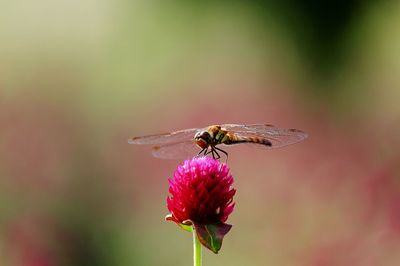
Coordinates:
(196, 249)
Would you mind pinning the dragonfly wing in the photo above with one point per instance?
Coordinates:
(180, 150)
(174, 137)
(246, 128)
(278, 137)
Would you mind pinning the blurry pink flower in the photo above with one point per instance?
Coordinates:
(30, 241)
(202, 196)
(383, 196)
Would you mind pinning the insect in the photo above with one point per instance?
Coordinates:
(208, 140)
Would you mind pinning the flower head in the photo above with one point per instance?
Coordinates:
(202, 196)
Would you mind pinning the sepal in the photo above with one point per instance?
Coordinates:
(211, 235)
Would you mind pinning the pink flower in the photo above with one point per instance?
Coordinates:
(202, 196)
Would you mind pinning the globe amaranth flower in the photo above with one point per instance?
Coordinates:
(201, 195)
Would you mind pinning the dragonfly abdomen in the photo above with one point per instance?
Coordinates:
(232, 139)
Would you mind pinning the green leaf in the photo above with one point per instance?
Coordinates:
(211, 235)
(186, 225)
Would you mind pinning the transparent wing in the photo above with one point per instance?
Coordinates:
(174, 137)
(278, 137)
(180, 150)
(250, 127)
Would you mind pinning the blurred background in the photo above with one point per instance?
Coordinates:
(78, 78)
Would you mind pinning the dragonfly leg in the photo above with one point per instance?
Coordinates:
(212, 151)
(204, 150)
(224, 152)
(216, 153)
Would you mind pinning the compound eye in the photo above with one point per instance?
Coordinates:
(202, 135)
(205, 135)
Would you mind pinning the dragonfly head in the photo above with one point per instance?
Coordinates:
(203, 139)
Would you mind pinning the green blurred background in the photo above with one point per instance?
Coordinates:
(78, 78)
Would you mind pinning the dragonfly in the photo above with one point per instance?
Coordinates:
(209, 140)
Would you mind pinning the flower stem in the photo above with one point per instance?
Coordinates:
(196, 249)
